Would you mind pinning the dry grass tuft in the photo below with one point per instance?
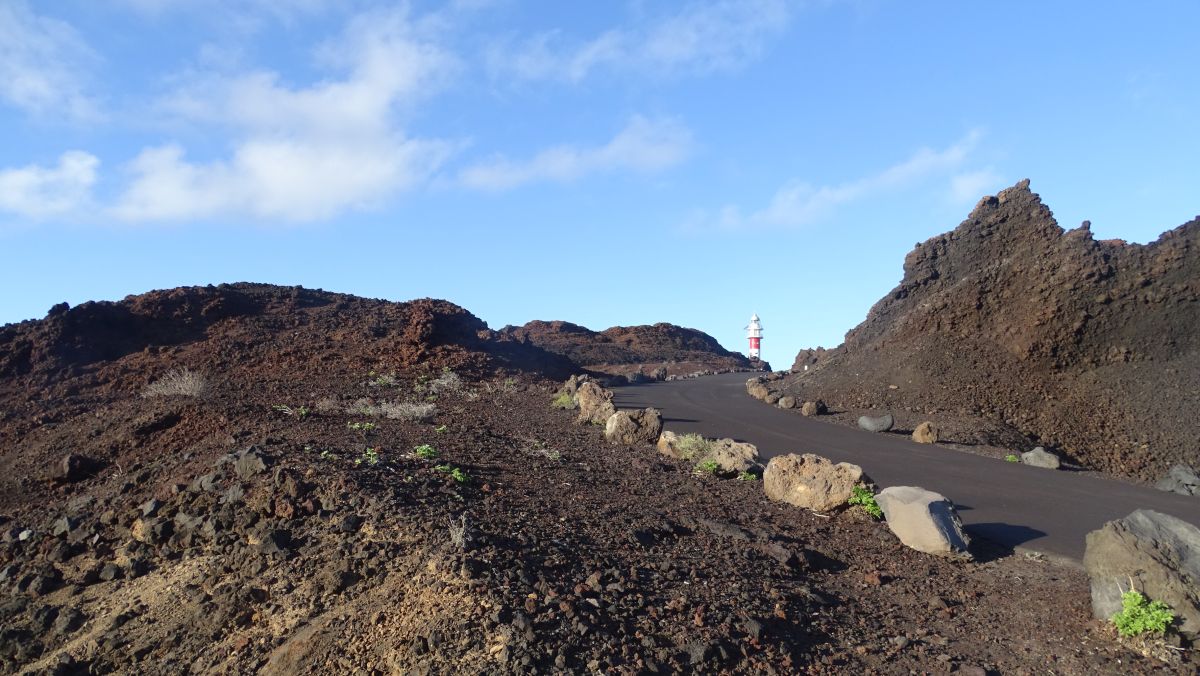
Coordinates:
(180, 382)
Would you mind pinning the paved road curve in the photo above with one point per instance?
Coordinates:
(1014, 505)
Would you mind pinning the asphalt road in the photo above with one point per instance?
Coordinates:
(1013, 505)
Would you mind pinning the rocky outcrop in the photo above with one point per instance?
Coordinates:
(924, 520)
(1090, 346)
(634, 427)
(595, 403)
(1157, 553)
(810, 481)
(638, 353)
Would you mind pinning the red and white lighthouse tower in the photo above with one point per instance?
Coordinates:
(754, 333)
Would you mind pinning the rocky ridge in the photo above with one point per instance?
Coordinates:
(1036, 334)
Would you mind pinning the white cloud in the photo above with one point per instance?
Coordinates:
(798, 203)
(703, 37)
(969, 186)
(41, 62)
(643, 145)
(301, 153)
(39, 192)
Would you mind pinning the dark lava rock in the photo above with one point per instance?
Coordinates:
(75, 467)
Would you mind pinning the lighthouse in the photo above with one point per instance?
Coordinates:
(754, 333)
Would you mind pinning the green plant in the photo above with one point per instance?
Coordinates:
(382, 380)
(863, 497)
(708, 467)
(425, 452)
(564, 401)
(369, 456)
(455, 473)
(366, 429)
(747, 476)
(440, 429)
(1140, 615)
(326, 454)
(1012, 457)
(693, 447)
(299, 412)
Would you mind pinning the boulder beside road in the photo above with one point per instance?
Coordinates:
(810, 481)
(924, 520)
(1158, 553)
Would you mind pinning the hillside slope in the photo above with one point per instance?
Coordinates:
(626, 350)
(1092, 347)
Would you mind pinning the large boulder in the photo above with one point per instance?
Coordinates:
(881, 423)
(811, 408)
(786, 401)
(733, 457)
(810, 481)
(1180, 479)
(634, 427)
(595, 403)
(1040, 457)
(757, 389)
(1158, 553)
(926, 433)
(924, 520)
(772, 397)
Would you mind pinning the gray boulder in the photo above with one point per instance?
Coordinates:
(881, 423)
(1040, 457)
(810, 481)
(595, 403)
(1160, 554)
(1180, 479)
(786, 401)
(924, 520)
(634, 427)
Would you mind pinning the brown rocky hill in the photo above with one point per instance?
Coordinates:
(675, 350)
(340, 485)
(1092, 347)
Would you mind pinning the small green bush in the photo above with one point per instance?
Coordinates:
(369, 456)
(693, 447)
(564, 401)
(1012, 457)
(455, 473)
(708, 467)
(425, 452)
(300, 412)
(747, 476)
(863, 497)
(1140, 615)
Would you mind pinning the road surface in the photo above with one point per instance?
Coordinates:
(1014, 505)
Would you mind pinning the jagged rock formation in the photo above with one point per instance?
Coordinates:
(666, 348)
(1092, 347)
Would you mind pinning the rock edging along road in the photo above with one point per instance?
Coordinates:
(1013, 505)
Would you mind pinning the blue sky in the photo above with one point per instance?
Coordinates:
(602, 163)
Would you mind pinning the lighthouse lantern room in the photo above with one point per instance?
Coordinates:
(754, 333)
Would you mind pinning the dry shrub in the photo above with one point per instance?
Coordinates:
(180, 382)
(328, 404)
(364, 407)
(447, 383)
(406, 410)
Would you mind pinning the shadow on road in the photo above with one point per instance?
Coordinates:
(992, 541)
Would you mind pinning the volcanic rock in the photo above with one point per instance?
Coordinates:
(1158, 552)
(925, 433)
(595, 404)
(733, 457)
(1091, 346)
(810, 481)
(757, 389)
(634, 427)
(923, 520)
(1180, 479)
(1040, 457)
(786, 401)
(813, 408)
(881, 423)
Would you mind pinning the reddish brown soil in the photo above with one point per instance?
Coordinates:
(1041, 335)
(276, 544)
(666, 349)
